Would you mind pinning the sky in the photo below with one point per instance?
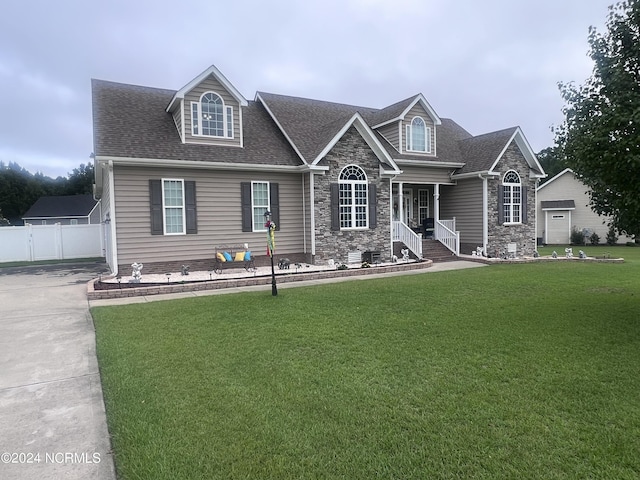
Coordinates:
(487, 65)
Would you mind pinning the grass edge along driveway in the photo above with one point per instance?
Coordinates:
(511, 371)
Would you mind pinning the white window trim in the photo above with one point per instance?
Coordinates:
(420, 206)
(227, 111)
(511, 204)
(260, 227)
(353, 205)
(165, 207)
(427, 136)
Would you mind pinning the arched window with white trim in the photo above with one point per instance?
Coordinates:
(353, 198)
(418, 136)
(512, 197)
(210, 117)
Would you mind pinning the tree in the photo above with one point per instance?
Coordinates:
(600, 137)
(551, 161)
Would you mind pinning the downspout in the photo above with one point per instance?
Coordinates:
(485, 211)
(312, 210)
(112, 224)
(304, 217)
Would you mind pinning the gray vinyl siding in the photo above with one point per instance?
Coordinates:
(218, 215)
(210, 84)
(391, 133)
(419, 111)
(464, 202)
(426, 175)
(177, 118)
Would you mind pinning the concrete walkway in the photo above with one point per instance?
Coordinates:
(52, 417)
(436, 267)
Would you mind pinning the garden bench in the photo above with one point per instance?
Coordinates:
(233, 256)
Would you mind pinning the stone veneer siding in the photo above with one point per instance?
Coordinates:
(351, 149)
(524, 235)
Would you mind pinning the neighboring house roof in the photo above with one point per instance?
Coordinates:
(132, 122)
(564, 172)
(558, 205)
(62, 206)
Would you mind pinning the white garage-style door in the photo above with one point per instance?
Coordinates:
(558, 227)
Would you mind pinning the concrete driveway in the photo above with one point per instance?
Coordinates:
(52, 417)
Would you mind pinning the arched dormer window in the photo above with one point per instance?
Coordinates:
(512, 197)
(210, 117)
(418, 136)
(353, 198)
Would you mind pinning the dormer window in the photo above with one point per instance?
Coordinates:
(211, 118)
(418, 136)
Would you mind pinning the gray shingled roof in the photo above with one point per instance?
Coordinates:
(131, 121)
(311, 124)
(482, 151)
(61, 206)
(558, 204)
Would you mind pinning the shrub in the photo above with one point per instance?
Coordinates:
(576, 236)
(594, 239)
(612, 238)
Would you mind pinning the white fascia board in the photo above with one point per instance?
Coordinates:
(485, 173)
(526, 150)
(563, 209)
(428, 163)
(566, 170)
(212, 70)
(275, 120)
(419, 98)
(367, 134)
(204, 165)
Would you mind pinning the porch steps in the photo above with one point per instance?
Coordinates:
(436, 251)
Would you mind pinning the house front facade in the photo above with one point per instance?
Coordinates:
(181, 172)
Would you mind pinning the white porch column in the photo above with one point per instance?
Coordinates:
(400, 205)
(436, 202)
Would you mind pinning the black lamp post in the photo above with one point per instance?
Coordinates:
(270, 248)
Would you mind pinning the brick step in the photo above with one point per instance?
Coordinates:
(436, 251)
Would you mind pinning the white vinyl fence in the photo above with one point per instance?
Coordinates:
(50, 242)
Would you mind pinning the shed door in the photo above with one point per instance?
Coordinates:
(558, 228)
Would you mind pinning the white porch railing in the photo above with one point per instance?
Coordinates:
(444, 232)
(402, 233)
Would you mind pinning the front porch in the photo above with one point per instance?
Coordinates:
(416, 217)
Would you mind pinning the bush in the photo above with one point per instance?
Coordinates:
(612, 238)
(594, 239)
(576, 236)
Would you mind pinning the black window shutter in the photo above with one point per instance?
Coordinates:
(500, 204)
(155, 200)
(190, 204)
(334, 190)
(245, 203)
(523, 200)
(274, 201)
(373, 205)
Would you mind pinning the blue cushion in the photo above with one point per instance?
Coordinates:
(247, 256)
(227, 256)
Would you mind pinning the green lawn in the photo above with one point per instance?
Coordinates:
(507, 371)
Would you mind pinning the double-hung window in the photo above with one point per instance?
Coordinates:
(353, 198)
(211, 118)
(512, 197)
(418, 136)
(173, 206)
(259, 204)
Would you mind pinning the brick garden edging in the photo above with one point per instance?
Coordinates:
(93, 294)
